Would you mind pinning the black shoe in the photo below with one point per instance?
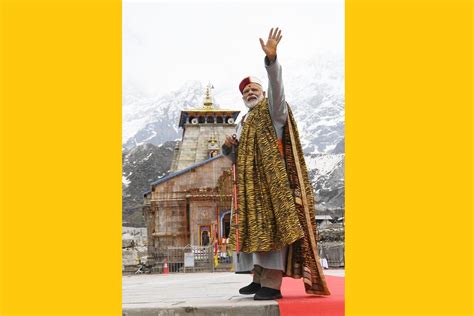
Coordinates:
(252, 288)
(266, 293)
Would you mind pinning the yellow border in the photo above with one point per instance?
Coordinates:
(409, 157)
(60, 165)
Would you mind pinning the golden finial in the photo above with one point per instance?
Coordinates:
(208, 97)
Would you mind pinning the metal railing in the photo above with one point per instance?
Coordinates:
(185, 259)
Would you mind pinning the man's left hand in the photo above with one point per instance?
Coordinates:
(270, 48)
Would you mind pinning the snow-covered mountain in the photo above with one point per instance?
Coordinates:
(140, 167)
(314, 90)
(154, 120)
(326, 172)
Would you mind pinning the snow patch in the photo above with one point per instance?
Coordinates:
(323, 164)
(125, 181)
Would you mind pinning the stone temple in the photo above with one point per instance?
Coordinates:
(191, 205)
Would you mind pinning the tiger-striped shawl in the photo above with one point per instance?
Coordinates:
(274, 211)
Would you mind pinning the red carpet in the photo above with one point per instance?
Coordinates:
(296, 302)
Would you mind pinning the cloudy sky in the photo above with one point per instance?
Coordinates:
(168, 43)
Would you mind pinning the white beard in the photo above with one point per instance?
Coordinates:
(251, 104)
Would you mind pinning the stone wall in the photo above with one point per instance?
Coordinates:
(190, 196)
(194, 147)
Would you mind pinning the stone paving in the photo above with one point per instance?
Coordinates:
(193, 294)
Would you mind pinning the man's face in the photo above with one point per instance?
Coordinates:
(252, 95)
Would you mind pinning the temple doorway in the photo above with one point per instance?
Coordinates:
(226, 225)
(204, 235)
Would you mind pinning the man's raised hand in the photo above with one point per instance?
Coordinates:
(270, 47)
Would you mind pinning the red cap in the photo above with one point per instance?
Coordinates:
(248, 80)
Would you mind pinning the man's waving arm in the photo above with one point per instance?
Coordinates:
(276, 93)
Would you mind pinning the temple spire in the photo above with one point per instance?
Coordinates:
(208, 97)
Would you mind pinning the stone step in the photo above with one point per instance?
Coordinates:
(191, 294)
(269, 309)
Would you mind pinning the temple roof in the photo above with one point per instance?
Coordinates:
(183, 171)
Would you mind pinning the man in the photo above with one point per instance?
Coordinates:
(276, 226)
